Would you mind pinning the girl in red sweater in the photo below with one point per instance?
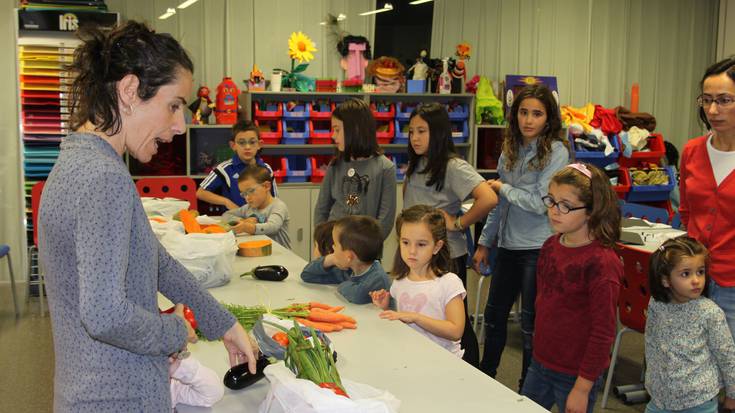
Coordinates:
(578, 281)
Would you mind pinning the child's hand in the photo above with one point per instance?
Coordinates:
(448, 220)
(230, 205)
(577, 401)
(329, 261)
(244, 226)
(729, 404)
(398, 315)
(173, 365)
(381, 298)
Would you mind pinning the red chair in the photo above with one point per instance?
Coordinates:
(174, 187)
(632, 303)
(34, 265)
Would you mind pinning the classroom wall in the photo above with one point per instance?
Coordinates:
(726, 32)
(596, 48)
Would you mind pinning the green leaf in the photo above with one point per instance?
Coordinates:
(300, 68)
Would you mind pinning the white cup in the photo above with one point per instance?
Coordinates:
(276, 81)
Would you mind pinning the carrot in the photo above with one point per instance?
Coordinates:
(190, 223)
(325, 327)
(347, 324)
(316, 304)
(160, 220)
(329, 317)
(213, 229)
(336, 308)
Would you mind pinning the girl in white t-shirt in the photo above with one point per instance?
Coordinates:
(428, 297)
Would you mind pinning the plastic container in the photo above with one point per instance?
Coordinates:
(297, 167)
(404, 109)
(401, 137)
(383, 110)
(387, 135)
(623, 186)
(321, 110)
(460, 131)
(320, 132)
(270, 131)
(278, 167)
(656, 151)
(319, 165)
(295, 110)
(415, 86)
(268, 110)
(400, 160)
(458, 111)
(647, 193)
(596, 158)
(295, 132)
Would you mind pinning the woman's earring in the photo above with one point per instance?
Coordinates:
(130, 108)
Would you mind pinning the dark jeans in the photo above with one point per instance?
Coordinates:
(515, 273)
(548, 387)
(469, 339)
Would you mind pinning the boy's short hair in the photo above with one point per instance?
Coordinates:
(362, 235)
(258, 173)
(323, 237)
(244, 125)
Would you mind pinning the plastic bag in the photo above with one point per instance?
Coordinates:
(208, 257)
(488, 109)
(163, 226)
(290, 394)
(263, 333)
(165, 207)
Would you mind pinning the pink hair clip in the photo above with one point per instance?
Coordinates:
(581, 168)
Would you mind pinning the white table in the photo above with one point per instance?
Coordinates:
(384, 354)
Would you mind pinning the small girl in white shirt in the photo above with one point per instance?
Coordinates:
(193, 384)
(429, 298)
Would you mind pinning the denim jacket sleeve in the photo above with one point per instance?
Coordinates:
(529, 199)
(492, 225)
(314, 272)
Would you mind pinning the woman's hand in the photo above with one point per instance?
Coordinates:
(191, 335)
(495, 184)
(381, 298)
(238, 347)
(481, 256)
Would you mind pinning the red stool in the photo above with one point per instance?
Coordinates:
(174, 187)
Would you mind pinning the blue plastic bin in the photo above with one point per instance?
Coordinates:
(299, 132)
(300, 111)
(404, 109)
(647, 193)
(298, 168)
(460, 131)
(398, 160)
(400, 137)
(458, 111)
(597, 158)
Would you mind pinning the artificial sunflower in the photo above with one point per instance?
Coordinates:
(300, 47)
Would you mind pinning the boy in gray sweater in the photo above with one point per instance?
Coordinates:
(353, 263)
(263, 213)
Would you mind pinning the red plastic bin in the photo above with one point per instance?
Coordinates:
(321, 132)
(318, 167)
(273, 110)
(278, 165)
(321, 110)
(656, 151)
(623, 186)
(386, 137)
(383, 115)
(272, 137)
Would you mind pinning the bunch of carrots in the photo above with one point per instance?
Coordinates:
(327, 318)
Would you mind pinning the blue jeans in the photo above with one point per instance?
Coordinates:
(548, 387)
(725, 298)
(515, 273)
(706, 407)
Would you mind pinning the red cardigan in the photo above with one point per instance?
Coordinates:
(707, 209)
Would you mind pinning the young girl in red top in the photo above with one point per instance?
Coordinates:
(578, 281)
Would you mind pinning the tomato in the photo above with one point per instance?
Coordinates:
(281, 338)
(188, 315)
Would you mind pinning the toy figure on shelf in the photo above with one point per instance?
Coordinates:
(420, 70)
(201, 108)
(444, 85)
(459, 72)
(355, 52)
(227, 102)
(256, 80)
(388, 74)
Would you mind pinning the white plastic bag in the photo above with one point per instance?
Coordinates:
(208, 256)
(163, 226)
(165, 207)
(291, 395)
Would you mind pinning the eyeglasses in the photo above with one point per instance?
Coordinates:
(722, 101)
(250, 191)
(243, 143)
(562, 207)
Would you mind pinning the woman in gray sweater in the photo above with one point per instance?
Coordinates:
(104, 266)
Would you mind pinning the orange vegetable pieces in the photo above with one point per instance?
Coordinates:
(347, 324)
(316, 304)
(191, 226)
(213, 229)
(336, 309)
(325, 327)
(328, 316)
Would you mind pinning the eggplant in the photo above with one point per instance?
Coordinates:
(239, 377)
(268, 272)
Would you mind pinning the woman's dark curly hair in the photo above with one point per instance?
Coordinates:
(104, 58)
